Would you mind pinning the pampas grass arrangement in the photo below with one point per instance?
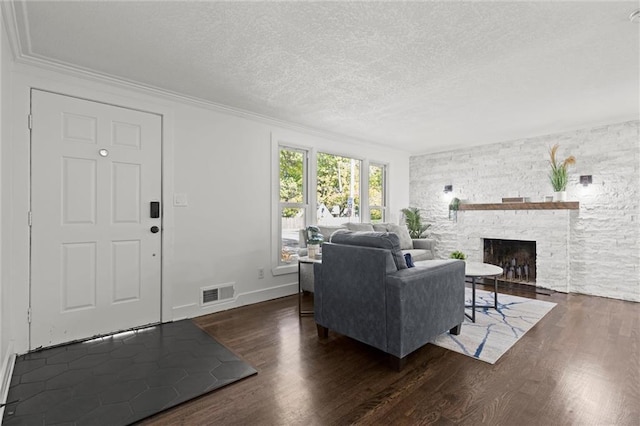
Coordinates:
(559, 175)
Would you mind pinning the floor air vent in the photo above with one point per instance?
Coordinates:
(210, 295)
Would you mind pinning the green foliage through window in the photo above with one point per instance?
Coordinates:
(338, 185)
(376, 192)
(291, 176)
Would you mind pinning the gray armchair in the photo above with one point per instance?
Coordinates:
(364, 290)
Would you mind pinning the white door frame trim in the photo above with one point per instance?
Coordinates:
(31, 293)
(16, 169)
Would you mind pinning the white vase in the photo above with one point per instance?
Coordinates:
(560, 196)
(313, 250)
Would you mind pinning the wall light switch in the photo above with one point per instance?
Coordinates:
(180, 200)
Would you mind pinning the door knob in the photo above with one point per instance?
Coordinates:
(154, 229)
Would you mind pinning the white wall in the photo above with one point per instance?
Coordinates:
(220, 160)
(6, 347)
(604, 246)
(3, 77)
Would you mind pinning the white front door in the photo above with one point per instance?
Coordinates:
(95, 258)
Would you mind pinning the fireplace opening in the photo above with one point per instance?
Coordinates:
(516, 258)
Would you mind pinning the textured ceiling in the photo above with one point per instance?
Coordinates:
(419, 76)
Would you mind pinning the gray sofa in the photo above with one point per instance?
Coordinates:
(420, 249)
(364, 290)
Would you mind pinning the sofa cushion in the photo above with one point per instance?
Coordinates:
(380, 227)
(403, 233)
(353, 226)
(406, 243)
(383, 240)
(327, 230)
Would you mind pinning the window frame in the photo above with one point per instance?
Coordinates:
(361, 182)
(278, 266)
(302, 205)
(311, 198)
(385, 173)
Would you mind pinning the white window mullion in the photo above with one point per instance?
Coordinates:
(312, 193)
(364, 192)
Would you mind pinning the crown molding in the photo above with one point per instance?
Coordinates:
(9, 17)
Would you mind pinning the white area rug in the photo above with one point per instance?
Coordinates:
(494, 331)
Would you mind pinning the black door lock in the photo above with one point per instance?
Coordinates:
(154, 209)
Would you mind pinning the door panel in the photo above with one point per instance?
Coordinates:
(78, 191)
(79, 128)
(95, 265)
(126, 200)
(126, 270)
(78, 283)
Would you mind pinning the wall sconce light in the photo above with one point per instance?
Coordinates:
(448, 189)
(586, 180)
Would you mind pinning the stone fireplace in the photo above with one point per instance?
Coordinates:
(550, 229)
(517, 258)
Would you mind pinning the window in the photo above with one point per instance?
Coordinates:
(346, 190)
(338, 189)
(377, 192)
(293, 203)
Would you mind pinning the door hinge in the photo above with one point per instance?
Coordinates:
(29, 315)
(29, 218)
(30, 121)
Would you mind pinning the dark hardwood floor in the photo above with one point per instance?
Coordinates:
(579, 365)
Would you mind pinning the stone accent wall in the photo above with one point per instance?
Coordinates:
(601, 240)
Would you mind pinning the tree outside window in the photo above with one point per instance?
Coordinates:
(377, 202)
(338, 190)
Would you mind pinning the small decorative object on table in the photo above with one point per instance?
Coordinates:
(559, 175)
(516, 200)
(314, 240)
(458, 255)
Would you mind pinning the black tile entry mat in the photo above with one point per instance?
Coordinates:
(119, 379)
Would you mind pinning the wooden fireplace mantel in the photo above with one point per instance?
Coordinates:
(566, 205)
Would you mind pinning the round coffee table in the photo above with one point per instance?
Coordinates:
(475, 270)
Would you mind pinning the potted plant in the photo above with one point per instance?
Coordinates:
(458, 255)
(559, 175)
(413, 219)
(454, 205)
(314, 240)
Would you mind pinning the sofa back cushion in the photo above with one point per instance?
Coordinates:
(327, 231)
(406, 243)
(384, 240)
(354, 226)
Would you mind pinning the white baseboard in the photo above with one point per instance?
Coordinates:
(194, 310)
(181, 312)
(263, 295)
(8, 363)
